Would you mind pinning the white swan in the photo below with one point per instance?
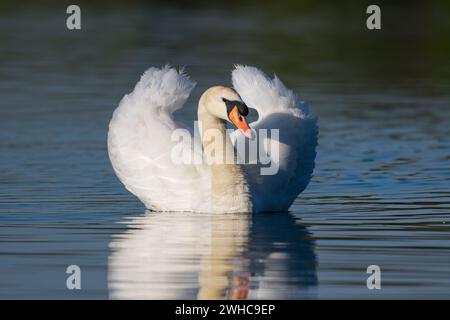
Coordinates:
(141, 145)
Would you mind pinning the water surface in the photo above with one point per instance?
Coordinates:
(380, 193)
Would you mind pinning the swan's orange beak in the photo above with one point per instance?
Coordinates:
(240, 122)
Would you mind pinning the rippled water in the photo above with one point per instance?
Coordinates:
(380, 193)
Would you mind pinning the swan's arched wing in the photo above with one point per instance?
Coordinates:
(142, 148)
(266, 95)
(292, 152)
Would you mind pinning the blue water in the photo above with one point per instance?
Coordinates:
(379, 196)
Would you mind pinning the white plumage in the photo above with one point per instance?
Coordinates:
(140, 144)
(278, 108)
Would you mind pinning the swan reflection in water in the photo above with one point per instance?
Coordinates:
(212, 256)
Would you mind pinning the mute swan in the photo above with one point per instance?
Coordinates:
(141, 144)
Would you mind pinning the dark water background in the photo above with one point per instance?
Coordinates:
(381, 189)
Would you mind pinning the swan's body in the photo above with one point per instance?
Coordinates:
(141, 145)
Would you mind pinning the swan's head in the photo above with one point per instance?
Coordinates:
(224, 103)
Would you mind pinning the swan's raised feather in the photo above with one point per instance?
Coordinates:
(140, 144)
(278, 108)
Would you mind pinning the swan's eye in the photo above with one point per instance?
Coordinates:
(239, 105)
(243, 109)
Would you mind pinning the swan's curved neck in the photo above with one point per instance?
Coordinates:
(230, 190)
